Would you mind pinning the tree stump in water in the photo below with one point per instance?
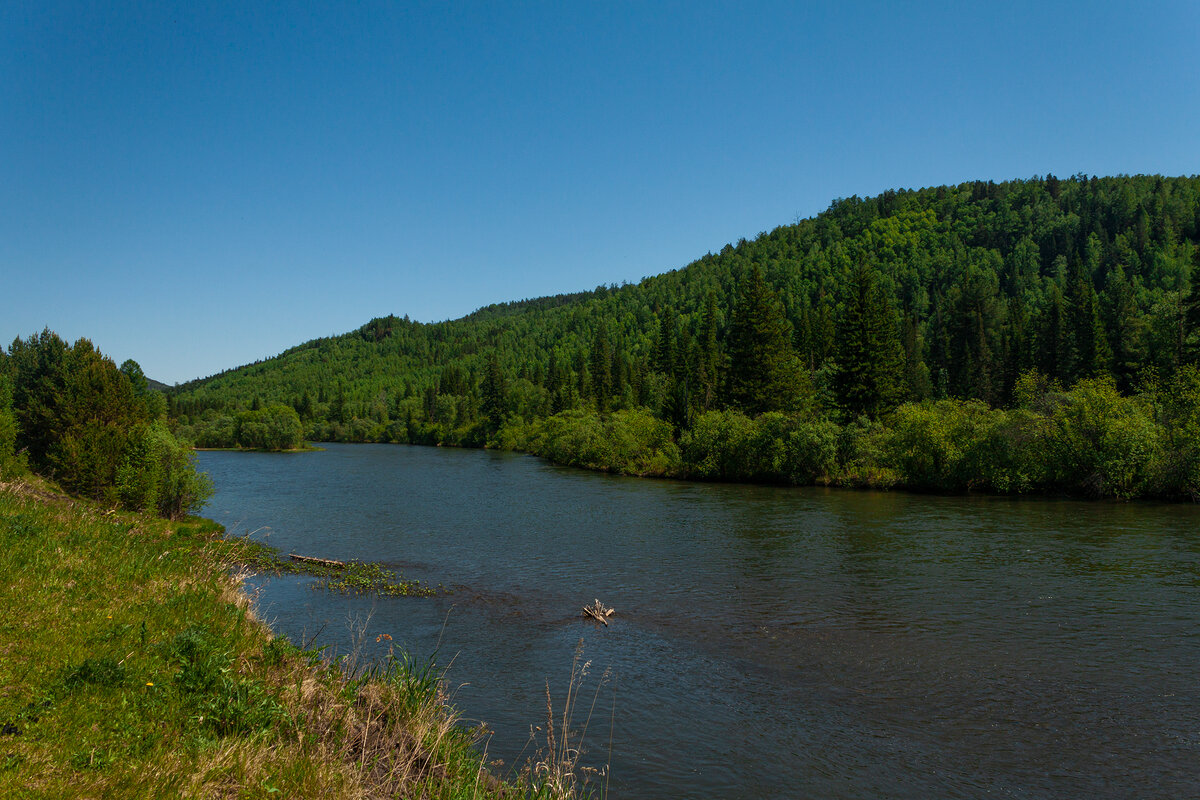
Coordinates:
(598, 612)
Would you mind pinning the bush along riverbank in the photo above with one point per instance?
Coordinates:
(132, 665)
(1088, 441)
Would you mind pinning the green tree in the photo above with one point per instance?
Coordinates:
(764, 371)
(158, 474)
(10, 463)
(495, 391)
(708, 360)
(601, 369)
(83, 424)
(870, 362)
(665, 346)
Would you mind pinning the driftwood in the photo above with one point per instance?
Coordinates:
(598, 612)
(325, 562)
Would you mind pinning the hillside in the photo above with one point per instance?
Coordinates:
(952, 292)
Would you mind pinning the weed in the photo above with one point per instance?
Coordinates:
(556, 771)
(102, 672)
(94, 758)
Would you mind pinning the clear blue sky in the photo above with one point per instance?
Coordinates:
(203, 185)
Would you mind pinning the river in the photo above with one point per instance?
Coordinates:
(767, 642)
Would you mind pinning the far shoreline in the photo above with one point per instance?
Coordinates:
(308, 448)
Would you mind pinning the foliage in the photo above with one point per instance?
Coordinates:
(276, 427)
(158, 474)
(632, 442)
(12, 464)
(97, 430)
(1177, 405)
(1101, 443)
(949, 292)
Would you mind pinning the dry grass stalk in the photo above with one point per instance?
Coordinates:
(557, 769)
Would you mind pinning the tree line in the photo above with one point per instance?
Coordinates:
(942, 301)
(70, 414)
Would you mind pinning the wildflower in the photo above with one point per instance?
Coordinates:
(149, 683)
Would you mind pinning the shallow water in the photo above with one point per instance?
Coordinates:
(768, 642)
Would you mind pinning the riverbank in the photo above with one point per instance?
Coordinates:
(306, 448)
(133, 665)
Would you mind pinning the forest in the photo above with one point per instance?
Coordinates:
(1037, 335)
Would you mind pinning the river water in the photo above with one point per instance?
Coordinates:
(767, 642)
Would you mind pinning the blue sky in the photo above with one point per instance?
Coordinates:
(197, 186)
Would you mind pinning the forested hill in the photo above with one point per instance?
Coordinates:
(946, 292)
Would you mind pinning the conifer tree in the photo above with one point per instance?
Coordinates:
(1092, 354)
(601, 369)
(764, 372)
(494, 393)
(1054, 343)
(870, 376)
(708, 363)
(824, 331)
(665, 355)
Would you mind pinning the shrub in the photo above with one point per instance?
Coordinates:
(630, 441)
(811, 448)
(1101, 443)
(158, 474)
(943, 445)
(1177, 406)
(718, 446)
(861, 458)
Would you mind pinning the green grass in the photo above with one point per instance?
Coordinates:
(131, 665)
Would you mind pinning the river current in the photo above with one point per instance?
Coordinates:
(767, 642)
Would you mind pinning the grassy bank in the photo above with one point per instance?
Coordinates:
(131, 665)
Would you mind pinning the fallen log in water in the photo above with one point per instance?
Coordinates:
(598, 612)
(325, 562)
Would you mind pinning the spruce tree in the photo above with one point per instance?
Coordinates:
(1056, 356)
(665, 356)
(708, 366)
(870, 376)
(601, 369)
(1093, 357)
(764, 371)
(494, 393)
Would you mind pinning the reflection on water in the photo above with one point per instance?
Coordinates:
(768, 642)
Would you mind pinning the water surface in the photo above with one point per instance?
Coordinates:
(768, 642)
